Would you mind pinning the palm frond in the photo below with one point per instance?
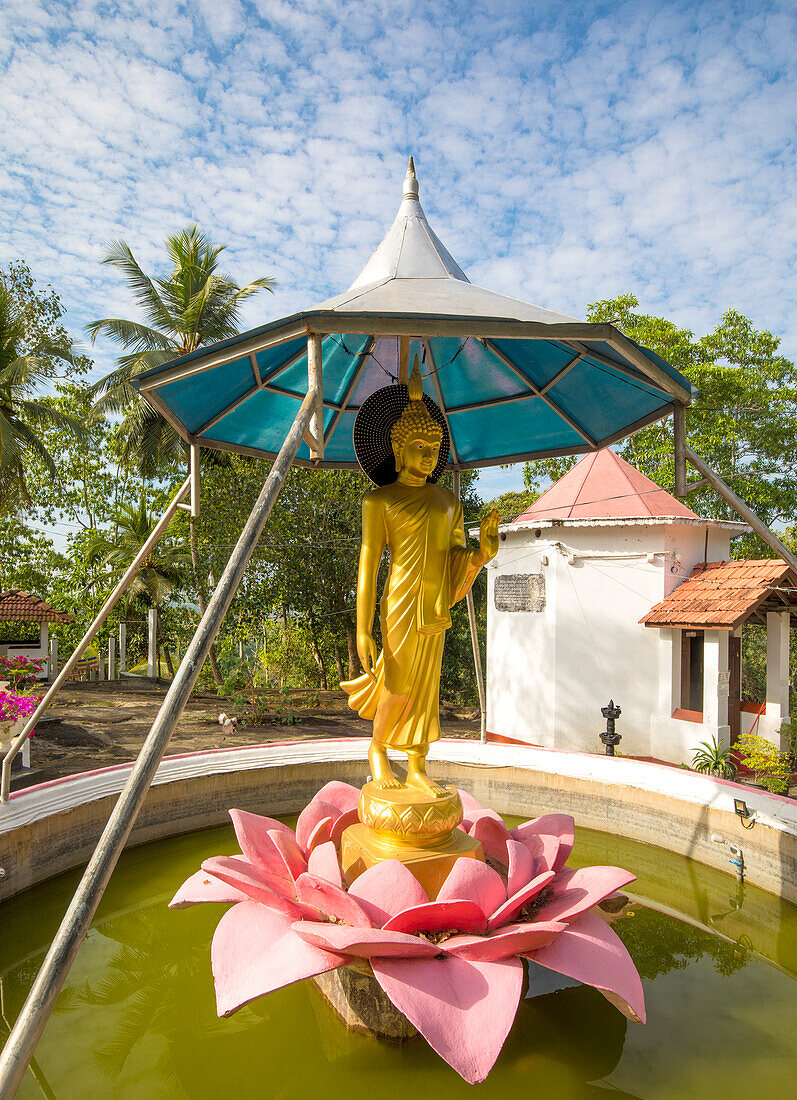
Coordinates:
(130, 334)
(149, 300)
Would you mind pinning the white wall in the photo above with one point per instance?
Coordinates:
(550, 672)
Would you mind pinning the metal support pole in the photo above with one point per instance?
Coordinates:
(474, 639)
(739, 506)
(80, 648)
(152, 644)
(193, 472)
(679, 441)
(122, 648)
(112, 658)
(31, 1021)
(404, 360)
(314, 385)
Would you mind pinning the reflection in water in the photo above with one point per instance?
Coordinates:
(138, 1019)
(658, 944)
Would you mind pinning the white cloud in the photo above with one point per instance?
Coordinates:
(565, 153)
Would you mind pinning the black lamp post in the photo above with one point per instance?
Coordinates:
(610, 737)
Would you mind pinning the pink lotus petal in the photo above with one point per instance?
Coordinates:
(252, 833)
(229, 870)
(439, 916)
(521, 867)
(514, 939)
(559, 825)
(265, 861)
(331, 901)
(510, 909)
(292, 854)
(310, 816)
(323, 862)
(387, 889)
(463, 1009)
(471, 808)
(472, 880)
(577, 891)
(591, 952)
(365, 943)
(339, 827)
(320, 834)
(255, 951)
(203, 887)
(343, 796)
(544, 851)
(491, 832)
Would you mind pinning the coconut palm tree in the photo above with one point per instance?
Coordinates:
(168, 566)
(22, 416)
(194, 304)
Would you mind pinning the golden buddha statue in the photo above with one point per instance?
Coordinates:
(431, 568)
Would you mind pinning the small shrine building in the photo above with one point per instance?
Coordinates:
(608, 587)
(17, 606)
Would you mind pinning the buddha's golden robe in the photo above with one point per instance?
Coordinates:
(431, 568)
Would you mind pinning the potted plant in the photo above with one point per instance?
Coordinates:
(714, 758)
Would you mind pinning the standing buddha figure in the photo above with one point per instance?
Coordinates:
(431, 568)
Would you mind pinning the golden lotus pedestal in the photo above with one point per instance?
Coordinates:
(413, 827)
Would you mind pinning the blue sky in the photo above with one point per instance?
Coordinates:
(566, 151)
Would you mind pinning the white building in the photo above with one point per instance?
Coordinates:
(575, 576)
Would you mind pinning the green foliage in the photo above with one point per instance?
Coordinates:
(743, 423)
(714, 758)
(771, 767)
(23, 415)
(191, 305)
(509, 505)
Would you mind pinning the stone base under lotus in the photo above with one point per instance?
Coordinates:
(359, 1002)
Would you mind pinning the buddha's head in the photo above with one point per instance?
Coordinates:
(416, 437)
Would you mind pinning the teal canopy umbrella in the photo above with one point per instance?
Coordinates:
(514, 381)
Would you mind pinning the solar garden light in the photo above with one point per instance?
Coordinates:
(610, 737)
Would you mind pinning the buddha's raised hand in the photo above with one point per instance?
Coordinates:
(488, 535)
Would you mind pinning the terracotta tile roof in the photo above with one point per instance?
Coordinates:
(22, 607)
(720, 595)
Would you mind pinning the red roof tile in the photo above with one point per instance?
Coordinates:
(22, 607)
(723, 594)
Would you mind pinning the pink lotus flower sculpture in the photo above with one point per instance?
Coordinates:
(452, 966)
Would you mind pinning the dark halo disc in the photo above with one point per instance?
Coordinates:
(372, 427)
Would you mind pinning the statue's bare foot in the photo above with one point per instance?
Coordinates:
(388, 784)
(425, 783)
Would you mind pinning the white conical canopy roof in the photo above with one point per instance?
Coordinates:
(413, 272)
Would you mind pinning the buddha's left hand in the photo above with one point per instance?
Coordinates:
(488, 535)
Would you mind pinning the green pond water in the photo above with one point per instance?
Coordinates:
(137, 1020)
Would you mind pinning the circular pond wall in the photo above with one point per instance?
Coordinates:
(54, 827)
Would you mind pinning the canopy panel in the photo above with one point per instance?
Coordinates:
(514, 381)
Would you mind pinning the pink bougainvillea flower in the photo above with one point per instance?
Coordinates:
(451, 965)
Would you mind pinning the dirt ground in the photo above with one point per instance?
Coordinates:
(94, 725)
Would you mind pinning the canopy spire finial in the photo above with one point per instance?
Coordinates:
(410, 182)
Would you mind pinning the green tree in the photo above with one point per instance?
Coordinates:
(744, 422)
(166, 568)
(191, 305)
(23, 414)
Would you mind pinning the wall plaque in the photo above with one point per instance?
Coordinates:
(520, 592)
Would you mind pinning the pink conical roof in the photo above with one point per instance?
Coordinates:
(603, 486)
